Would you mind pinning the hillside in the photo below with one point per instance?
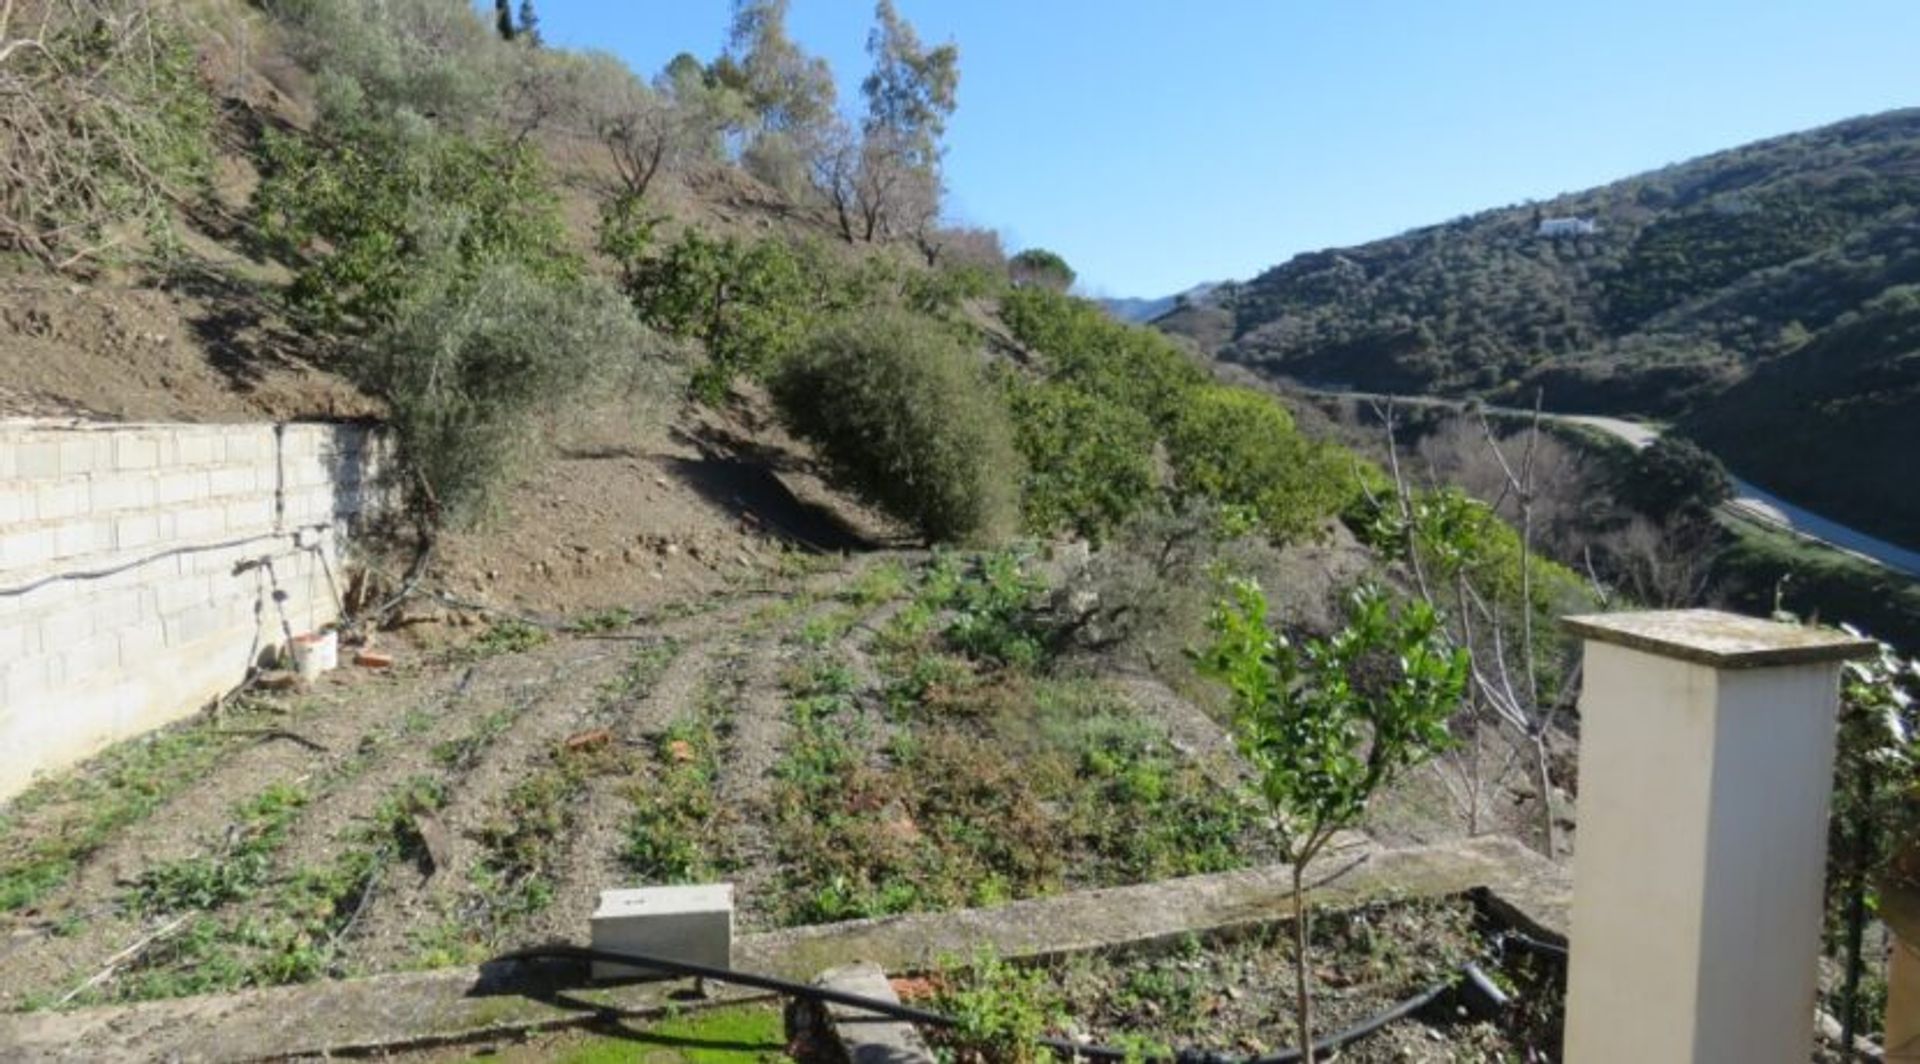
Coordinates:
(1140, 310)
(1760, 264)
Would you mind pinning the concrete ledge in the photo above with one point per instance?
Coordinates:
(1718, 640)
(868, 1038)
(416, 1008)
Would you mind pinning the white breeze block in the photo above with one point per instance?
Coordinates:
(692, 924)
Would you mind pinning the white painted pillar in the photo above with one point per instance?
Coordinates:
(1706, 762)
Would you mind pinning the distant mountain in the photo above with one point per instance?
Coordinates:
(1715, 291)
(1140, 311)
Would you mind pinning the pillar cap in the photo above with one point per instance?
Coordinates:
(1719, 640)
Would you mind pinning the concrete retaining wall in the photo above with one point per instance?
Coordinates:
(138, 565)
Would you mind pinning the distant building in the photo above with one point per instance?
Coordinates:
(1568, 227)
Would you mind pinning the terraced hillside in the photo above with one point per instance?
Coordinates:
(879, 736)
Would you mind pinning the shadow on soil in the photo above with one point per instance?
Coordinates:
(740, 477)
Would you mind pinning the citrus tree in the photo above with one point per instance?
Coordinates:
(1328, 722)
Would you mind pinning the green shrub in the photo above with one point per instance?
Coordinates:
(1038, 267)
(378, 208)
(467, 365)
(748, 302)
(904, 413)
(103, 123)
(1240, 449)
(1674, 476)
(1089, 461)
(1123, 364)
(426, 57)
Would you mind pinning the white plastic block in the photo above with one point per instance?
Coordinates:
(691, 923)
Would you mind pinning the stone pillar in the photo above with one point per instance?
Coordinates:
(1706, 762)
(1900, 908)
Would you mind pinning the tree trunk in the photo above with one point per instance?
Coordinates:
(1303, 998)
(1543, 779)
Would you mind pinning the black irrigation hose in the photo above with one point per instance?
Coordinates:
(148, 559)
(898, 1011)
(1528, 942)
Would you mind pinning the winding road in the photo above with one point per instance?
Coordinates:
(1748, 500)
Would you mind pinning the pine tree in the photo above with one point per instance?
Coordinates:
(529, 24)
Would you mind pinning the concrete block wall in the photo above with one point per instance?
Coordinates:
(138, 564)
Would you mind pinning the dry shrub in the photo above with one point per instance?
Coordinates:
(468, 367)
(1145, 597)
(103, 124)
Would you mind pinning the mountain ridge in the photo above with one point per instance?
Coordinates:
(1698, 284)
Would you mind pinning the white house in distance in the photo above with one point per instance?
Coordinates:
(1568, 227)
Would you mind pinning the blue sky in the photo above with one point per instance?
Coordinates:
(1158, 144)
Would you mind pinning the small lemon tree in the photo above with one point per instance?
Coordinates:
(1328, 722)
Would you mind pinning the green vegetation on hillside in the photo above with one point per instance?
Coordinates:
(1839, 415)
(1713, 289)
(903, 412)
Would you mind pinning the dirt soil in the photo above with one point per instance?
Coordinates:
(202, 348)
(615, 519)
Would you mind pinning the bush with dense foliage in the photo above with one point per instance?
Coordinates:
(1040, 268)
(1239, 448)
(904, 413)
(746, 301)
(1673, 476)
(1089, 461)
(1124, 364)
(445, 255)
(364, 203)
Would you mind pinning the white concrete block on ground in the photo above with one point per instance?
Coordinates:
(685, 923)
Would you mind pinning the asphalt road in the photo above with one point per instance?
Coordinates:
(1748, 500)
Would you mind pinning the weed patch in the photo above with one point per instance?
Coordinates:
(211, 880)
(57, 824)
(674, 832)
(294, 935)
(996, 781)
(506, 636)
(610, 620)
(876, 585)
(526, 834)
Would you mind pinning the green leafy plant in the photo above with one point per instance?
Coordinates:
(506, 636)
(375, 209)
(1003, 1011)
(1089, 461)
(993, 611)
(902, 412)
(1327, 722)
(1131, 367)
(749, 303)
(1240, 449)
(237, 870)
(1874, 824)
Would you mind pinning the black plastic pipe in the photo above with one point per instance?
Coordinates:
(1065, 1047)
